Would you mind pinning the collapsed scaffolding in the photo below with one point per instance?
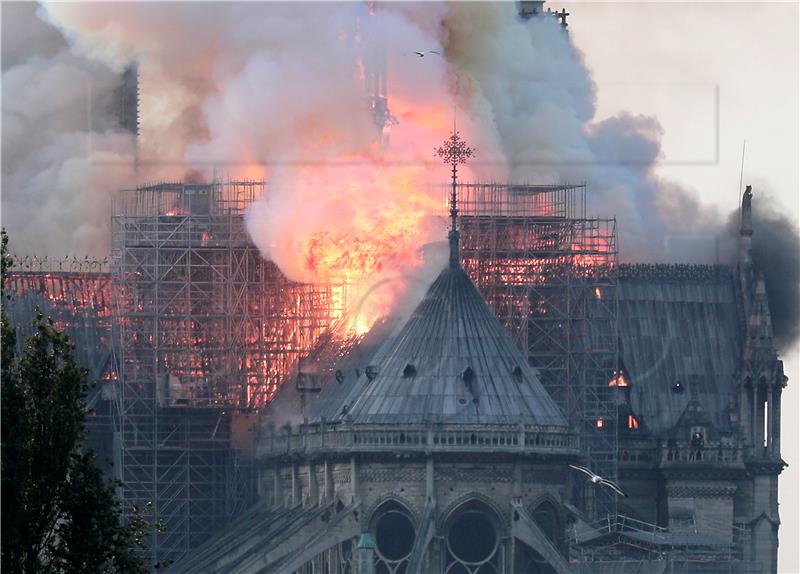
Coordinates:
(205, 330)
(549, 272)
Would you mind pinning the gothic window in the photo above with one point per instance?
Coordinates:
(394, 534)
(473, 542)
(346, 557)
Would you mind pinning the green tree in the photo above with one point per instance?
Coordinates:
(60, 514)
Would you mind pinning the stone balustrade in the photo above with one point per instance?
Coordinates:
(361, 438)
(707, 454)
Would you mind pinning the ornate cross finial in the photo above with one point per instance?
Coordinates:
(455, 151)
(562, 16)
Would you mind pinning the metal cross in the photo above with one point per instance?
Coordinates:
(455, 151)
(562, 16)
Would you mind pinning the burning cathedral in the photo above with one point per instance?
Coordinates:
(543, 408)
(440, 445)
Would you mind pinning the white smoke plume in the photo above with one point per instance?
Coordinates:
(276, 91)
(237, 87)
(530, 89)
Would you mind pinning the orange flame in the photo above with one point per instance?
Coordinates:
(356, 221)
(619, 380)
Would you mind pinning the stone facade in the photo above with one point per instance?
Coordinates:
(448, 456)
(431, 490)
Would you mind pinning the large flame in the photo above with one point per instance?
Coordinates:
(356, 222)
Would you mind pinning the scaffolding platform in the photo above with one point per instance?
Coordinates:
(205, 328)
(621, 539)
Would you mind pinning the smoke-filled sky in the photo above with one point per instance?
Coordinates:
(646, 102)
(670, 60)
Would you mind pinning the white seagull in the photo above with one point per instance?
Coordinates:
(597, 479)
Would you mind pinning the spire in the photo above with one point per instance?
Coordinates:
(746, 277)
(747, 211)
(454, 151)
(760, 320)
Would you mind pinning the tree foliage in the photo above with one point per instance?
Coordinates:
(60, 514)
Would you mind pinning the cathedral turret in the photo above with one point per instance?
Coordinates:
(745, 257)
(759, 346)
(761, 382)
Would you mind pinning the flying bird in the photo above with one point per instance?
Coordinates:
(597, 479)
(422, 54)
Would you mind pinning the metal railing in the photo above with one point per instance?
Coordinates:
(686, 539)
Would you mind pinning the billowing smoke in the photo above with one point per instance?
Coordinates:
(277, 91)
(62, 152)
(776, 253)
(531, 92)
(280, 93)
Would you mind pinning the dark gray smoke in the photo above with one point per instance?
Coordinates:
(776, 253)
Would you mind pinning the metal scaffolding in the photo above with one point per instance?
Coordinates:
(76, 295)
(550, 275)
(205, 329)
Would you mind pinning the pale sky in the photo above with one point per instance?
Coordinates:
(670, 60)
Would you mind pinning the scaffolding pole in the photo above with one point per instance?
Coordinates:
(205, 328)
(76, 294)
(550, 275)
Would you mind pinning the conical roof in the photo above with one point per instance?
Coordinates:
(452, 362)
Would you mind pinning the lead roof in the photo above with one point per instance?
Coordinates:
(452, 362)
(683, 329)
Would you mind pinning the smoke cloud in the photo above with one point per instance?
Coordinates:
(277, 91)
(776, 254)
(530, 90)
(62, 154)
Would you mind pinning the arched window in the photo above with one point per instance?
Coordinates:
(394, 534)
(346, 557)
(472, 539)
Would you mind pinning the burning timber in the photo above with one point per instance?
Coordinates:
(232, 387)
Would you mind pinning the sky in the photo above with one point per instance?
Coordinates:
(714, 74)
